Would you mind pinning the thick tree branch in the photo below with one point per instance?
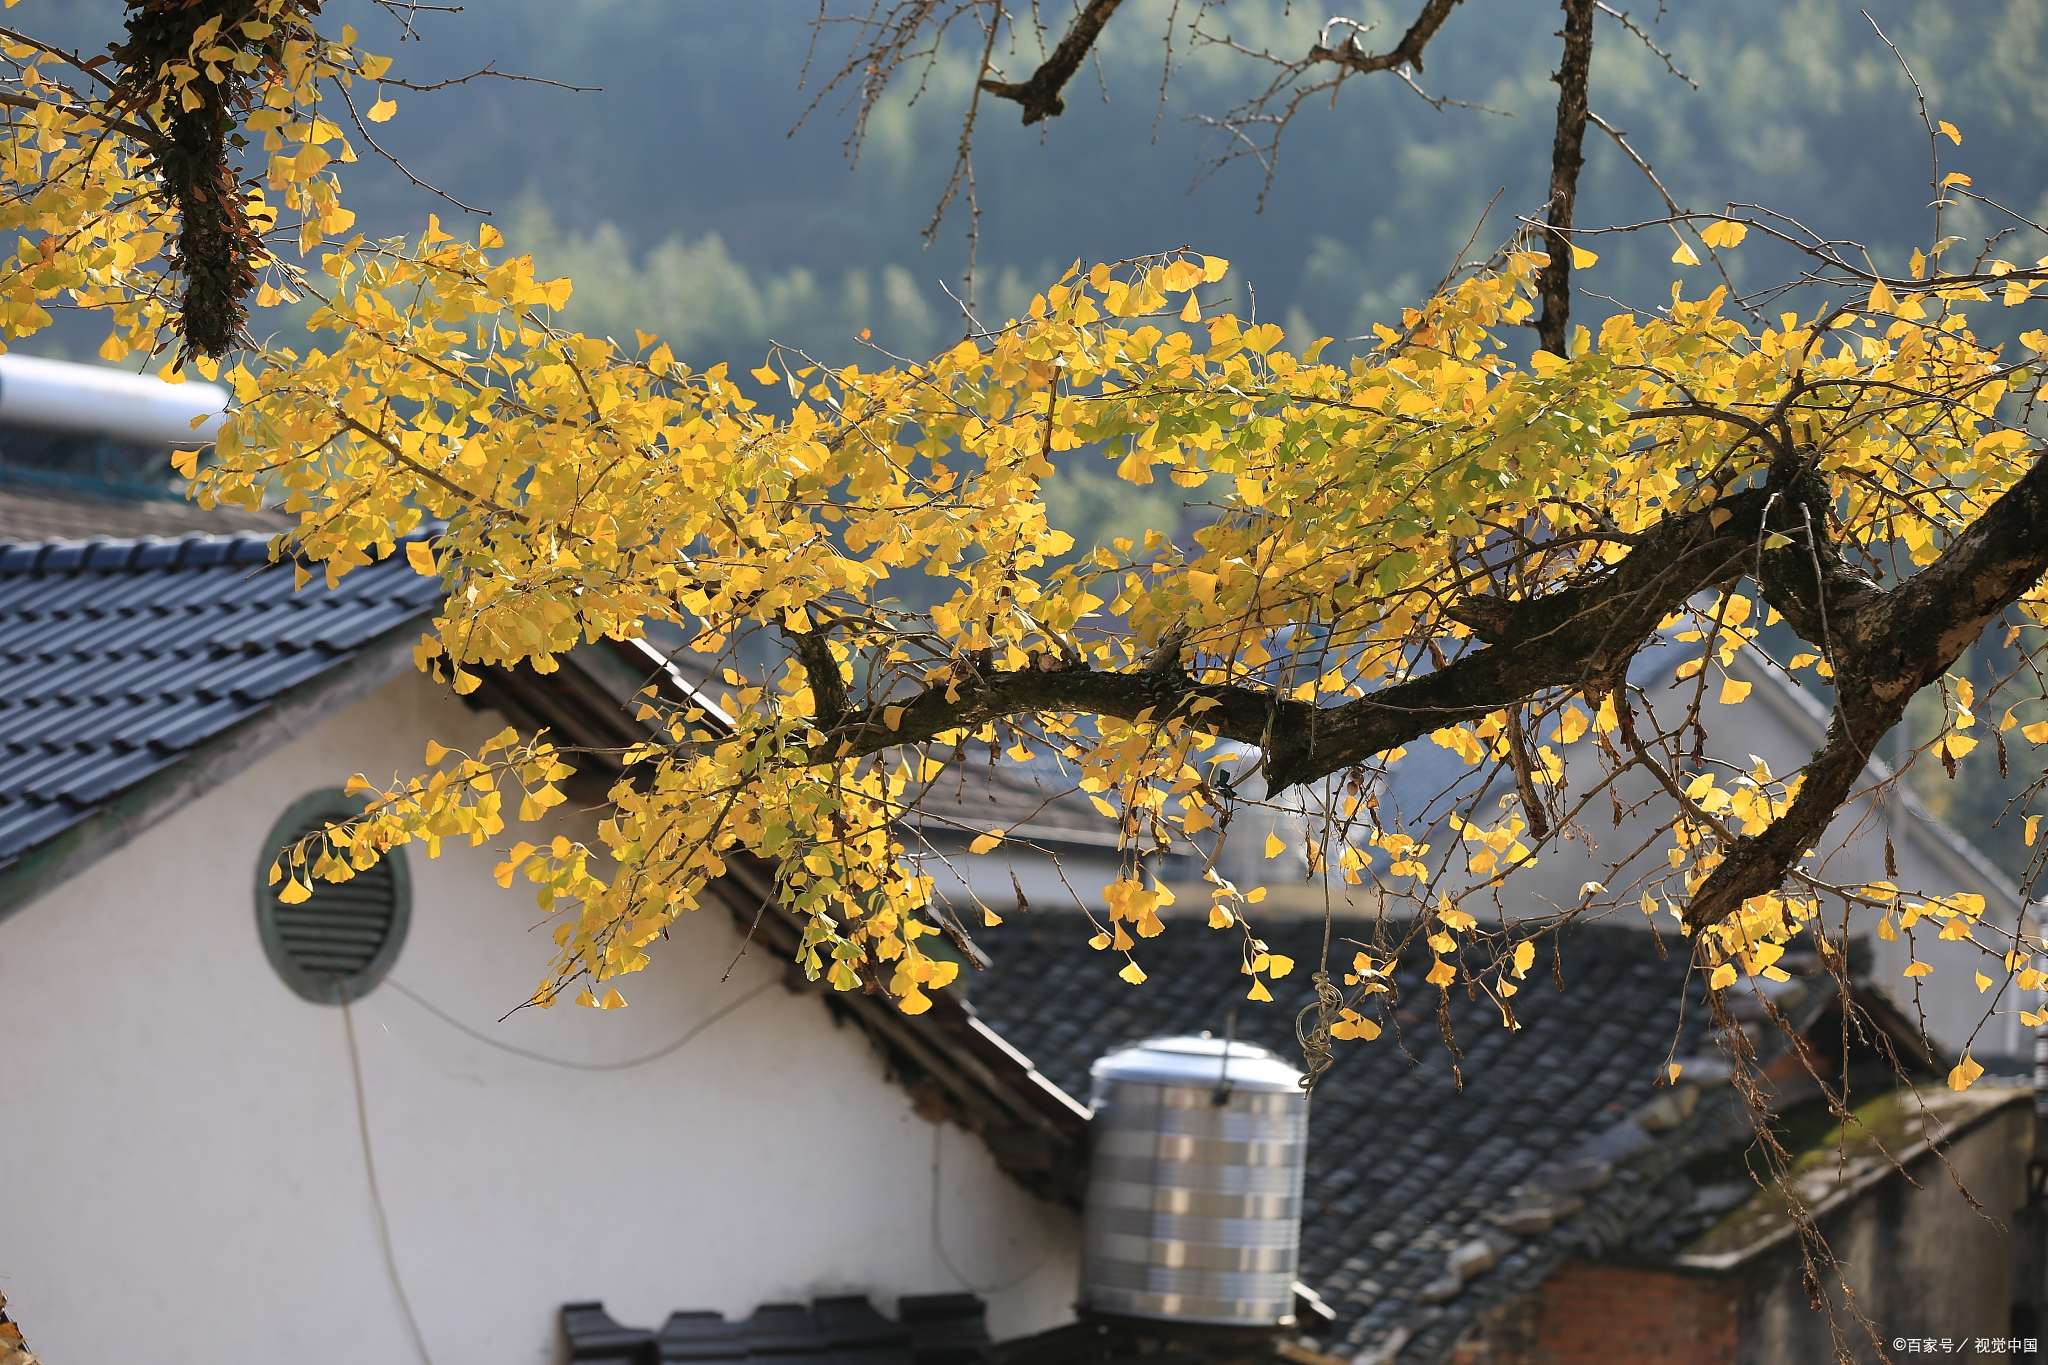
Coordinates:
(1567, 158)
(1041, 98)
(828, 690)
(1408, 52)
(1581, 637)
(1040, 95)
(1886, 647)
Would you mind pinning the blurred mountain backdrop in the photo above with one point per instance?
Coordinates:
(686, 199)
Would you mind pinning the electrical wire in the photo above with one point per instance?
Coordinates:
(565, 1063)
(355, 1071)
(939, 1244)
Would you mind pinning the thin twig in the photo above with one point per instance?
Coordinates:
(1621, 16)
(402, 170)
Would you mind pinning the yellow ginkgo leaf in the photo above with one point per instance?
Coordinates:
(985, 843)
(1192, 312)
(1733, 691)
(382, 110)
(1583, 259)
(1571, 724)
(1684, 255)
(1274, 848)
(1351, 1024)
(1724, 975)
(1258, 991)
(1917, 969)
(1725, 233)
(1966, 1071)
(420, 555)
(1133, 973)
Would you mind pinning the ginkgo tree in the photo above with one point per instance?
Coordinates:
(1439, 541)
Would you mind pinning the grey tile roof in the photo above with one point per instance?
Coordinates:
(844, 1329)
(118, 657)
(1402, 1159)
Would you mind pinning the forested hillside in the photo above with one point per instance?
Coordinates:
(684, 196)
(695, 197)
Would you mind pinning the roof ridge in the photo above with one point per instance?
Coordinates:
(107, 554)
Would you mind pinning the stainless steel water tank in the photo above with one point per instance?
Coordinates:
(1194, 1187)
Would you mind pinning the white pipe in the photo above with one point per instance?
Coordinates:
(141, 408)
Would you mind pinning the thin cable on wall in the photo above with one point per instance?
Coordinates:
(939, 1243)
(355, 1071)
(566, 1063)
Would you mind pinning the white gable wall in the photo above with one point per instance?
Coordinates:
(183, 1179)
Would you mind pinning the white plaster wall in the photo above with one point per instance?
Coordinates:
(181, 1176)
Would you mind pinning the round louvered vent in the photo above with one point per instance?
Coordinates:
(340, 941)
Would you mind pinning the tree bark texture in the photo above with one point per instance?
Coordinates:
(1567, 158)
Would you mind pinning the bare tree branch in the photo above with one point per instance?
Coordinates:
(1407, 52)
(1040, 95)
(1620, 16)
(1567, 159)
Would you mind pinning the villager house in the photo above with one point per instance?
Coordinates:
(211, 1157)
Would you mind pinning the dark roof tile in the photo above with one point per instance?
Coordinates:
(111, 554)
(24, 824)
(1402, 1157)
(96, 774)
(204, 552)
(63, 556)
(272, 674)
(115, 658)
(40, 723)
(22, 768)
(185, 725)
(347, 629)
(154, 552)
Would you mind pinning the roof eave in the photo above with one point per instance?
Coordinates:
(206, 767)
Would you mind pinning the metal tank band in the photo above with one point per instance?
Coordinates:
(1194, 1190)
